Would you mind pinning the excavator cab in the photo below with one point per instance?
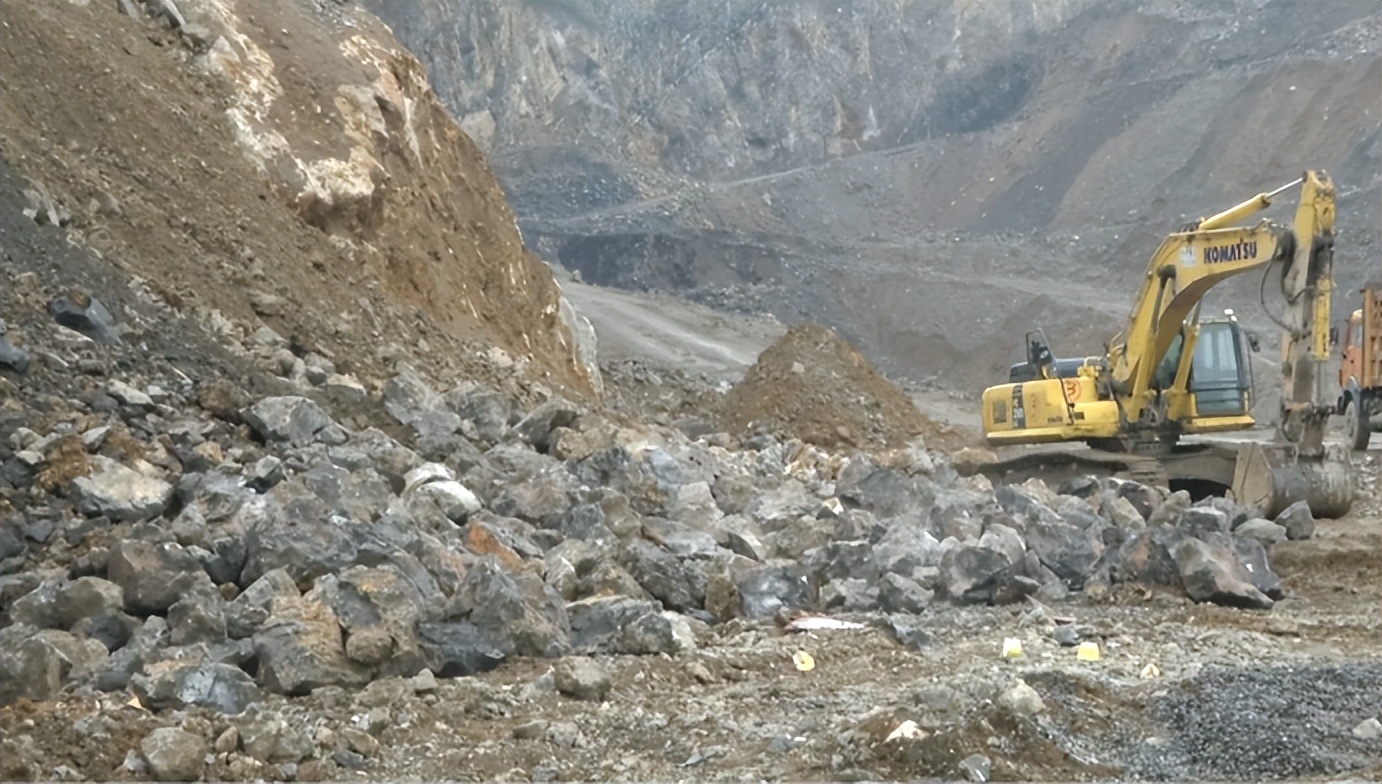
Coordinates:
(1221, 370)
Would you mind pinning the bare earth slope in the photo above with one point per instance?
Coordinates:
(280, 165)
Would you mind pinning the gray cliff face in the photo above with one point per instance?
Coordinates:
(893, 168)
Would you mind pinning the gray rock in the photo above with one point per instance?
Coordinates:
(1002, 539)
(1199, 520)
(292, 529)
(29, 667)
(1297, 520)
(120, 493)
(1368, 729)
(768, 590)
(1067, 550)
(1024, 501)
(778, 506)
(413, 403)
(177, 685)
(519, 611)
(1121, 512)
(266, 737)
(664, 632)
(248, 611)
(113, 630)
(976, 767)
(678, 584)
(598, 624)
(144, 643)
(39, 606)
(541, 500)
(841, 560)
(1170, 510)
(1021, 699)
(972, 575)
(898, 594)
(886, 492)
(1263, 531)
(86, 315)
(681, 540)
(907, 631)
(1212, 574)
(536, 428)
(487, 410)
(359, 495)
(154, 577)
(266, 472)
(88, 597)
(451, 497)
(174, 755)
(373, 448)
(458, 649)
(581, 678)
(126, 395)
(587, 523)
(1252, 556)
(1066, 635)
(379, 610)
(300, 648)
(649, 478)
(12, 356)
(292, 421)
(849, 595)
(199, 616)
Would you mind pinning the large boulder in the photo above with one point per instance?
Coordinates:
(520, 612)
(154, 576)
(292, 421)
(300, 648)
(678, 583)
(1213, 574)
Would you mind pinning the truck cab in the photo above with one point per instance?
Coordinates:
(1360, 367)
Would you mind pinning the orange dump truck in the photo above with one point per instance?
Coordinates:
(1360, 372)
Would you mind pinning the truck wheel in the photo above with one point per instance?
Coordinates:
(1359, 428)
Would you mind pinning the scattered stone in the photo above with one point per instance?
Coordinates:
(176, 685)
(1264, 531)
(1021, 699)
(83, 313)
(1066, 635)
(292, 421)
(126, 395)
(120, 493)
(1368, 729)
(174, 755)
(977, 767)
(1297, 520)
(12, 356)
(300, 648)
(581, 678)
(536, 428)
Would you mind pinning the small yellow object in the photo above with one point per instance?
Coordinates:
(1012, 648)
(803, 661)
(1088, 651)
(1151, 671)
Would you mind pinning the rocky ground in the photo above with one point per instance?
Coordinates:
(233, 564)
(242, 538)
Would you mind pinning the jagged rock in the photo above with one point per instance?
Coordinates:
(1148, 557)
(541, 500)
(457, 649)
(849, 595)
(174, 755)
(292, 421)
(519, 611)
(1212, 574)
(300, 649)
(379, 610)
(777, 506)
(199, 616)
(413, 403)
(293, 529)
(248, 611)
(126, 395)
(87, 597)
(1002, 539)
(587, 523)
(268, 738)
(886, 492)
(906, 551)
(36, 663)
(1121, 512)
(1252, 556)
(1067, 550)
(85, 314)
(112, 630)
(372, 448)
(898, 594)
(1170, 510)
(487, 410)
(12, 356)
(213, 685)
(153, 577)
(120, 493)
(972, 575)
(1021, 699)
(1264, 531)
(678, 584)
(1297, 520)
(39, 606)
(656, 632)
(1200, 521)
(765, 591)
(841, 560)
(678, 539)
(536, 428)
(579, 677)
(695, 506)
(359, 495)
(1029, 500)
(649, 476)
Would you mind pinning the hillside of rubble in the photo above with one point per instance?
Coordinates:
(311, 471)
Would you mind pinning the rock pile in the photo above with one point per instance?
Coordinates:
(200, 558)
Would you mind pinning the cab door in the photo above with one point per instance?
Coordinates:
(1220, 374)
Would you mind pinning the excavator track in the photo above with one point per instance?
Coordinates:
(1055, 466)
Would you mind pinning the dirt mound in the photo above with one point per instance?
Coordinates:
(812, 385)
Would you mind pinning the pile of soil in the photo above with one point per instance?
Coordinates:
(813, 385)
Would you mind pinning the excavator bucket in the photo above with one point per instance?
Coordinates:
(1273, 476)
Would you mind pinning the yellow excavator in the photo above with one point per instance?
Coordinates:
(1171, 377)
